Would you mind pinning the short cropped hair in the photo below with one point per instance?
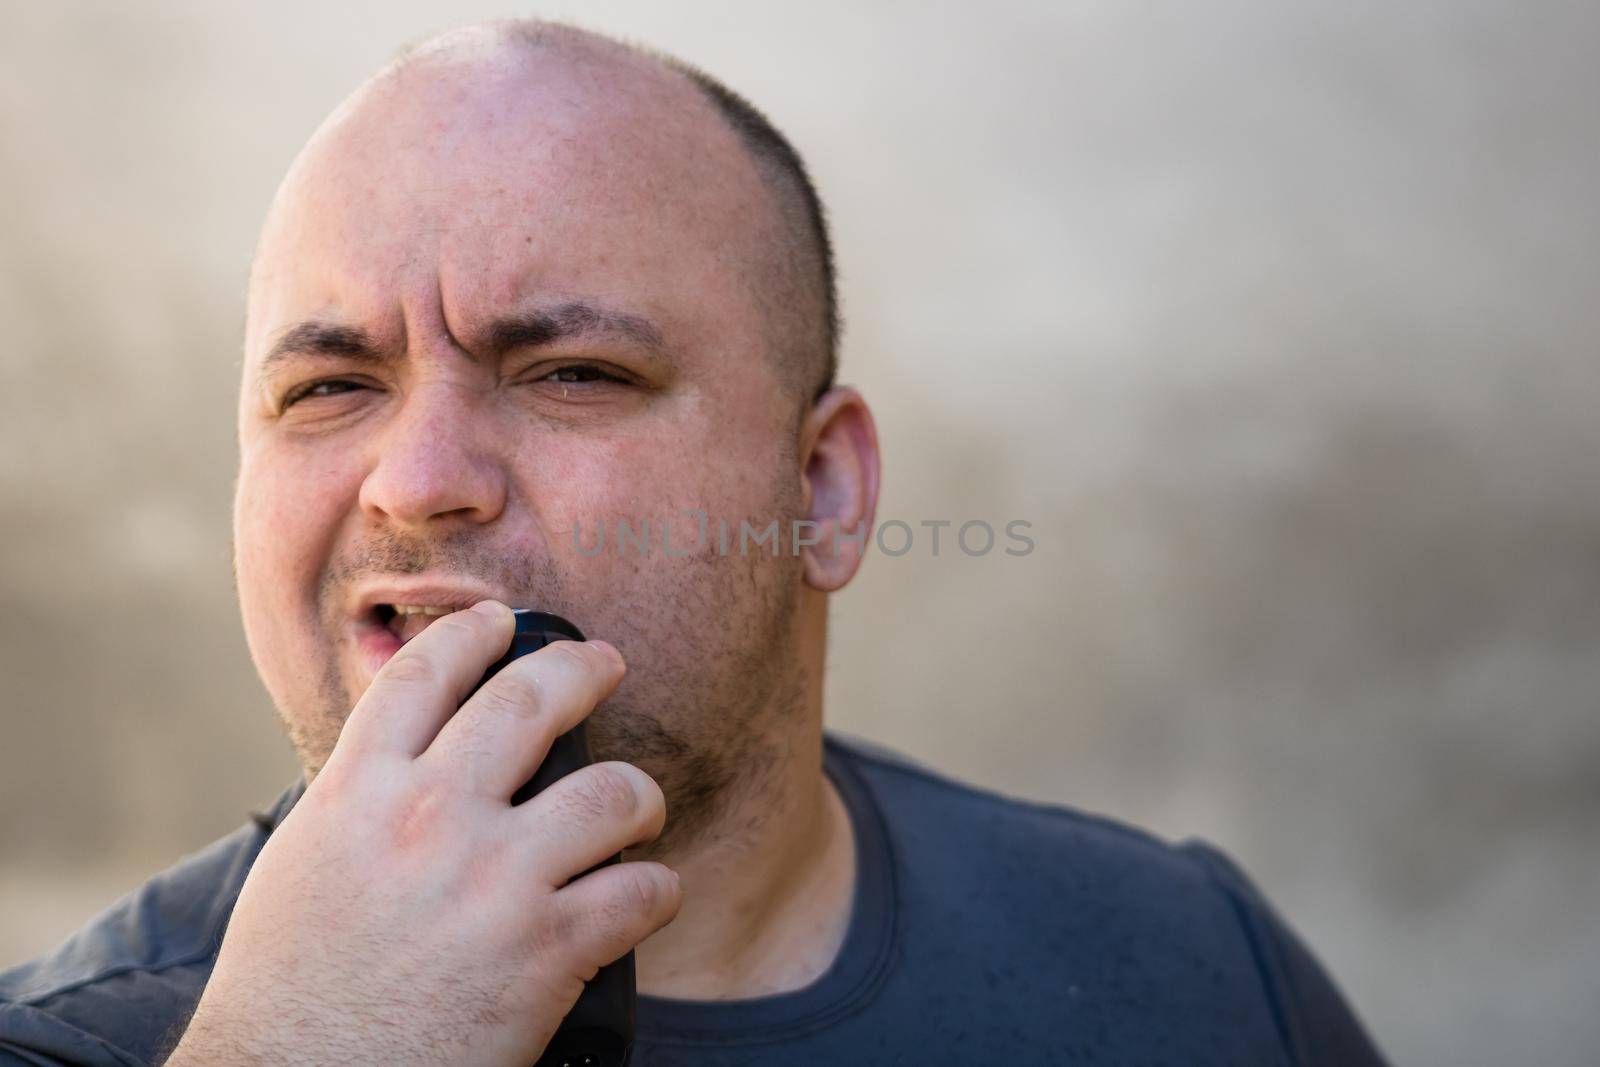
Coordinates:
(781, 164)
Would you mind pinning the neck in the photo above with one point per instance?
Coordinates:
(767, 888)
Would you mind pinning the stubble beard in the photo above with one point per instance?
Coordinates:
(714, 680)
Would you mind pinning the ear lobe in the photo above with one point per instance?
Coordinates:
(841, 486)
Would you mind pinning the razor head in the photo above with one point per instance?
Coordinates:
(554, 627)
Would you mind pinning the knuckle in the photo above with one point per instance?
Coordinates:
(619, 909)
(555, 926)
(511, 694)
(608, 791)
(415, 669)
(572, 937)
(589, 931)
(571, 651)
(466, 622)
(418, 820)
(334, 784)
(642, 892)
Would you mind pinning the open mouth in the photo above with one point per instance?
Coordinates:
(406, 621)
(381, 627)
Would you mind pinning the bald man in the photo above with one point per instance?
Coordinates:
(526, 285)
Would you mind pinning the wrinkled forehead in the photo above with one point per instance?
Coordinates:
(491, 181)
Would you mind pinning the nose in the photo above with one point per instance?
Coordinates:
(435, 462)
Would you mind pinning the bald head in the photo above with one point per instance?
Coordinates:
(528, 281)
(527, 92)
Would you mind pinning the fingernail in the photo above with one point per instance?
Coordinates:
(489, 607)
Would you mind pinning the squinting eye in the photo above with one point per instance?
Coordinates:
(579, 373)
(337, 385)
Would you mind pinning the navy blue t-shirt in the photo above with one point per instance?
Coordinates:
(985, 930)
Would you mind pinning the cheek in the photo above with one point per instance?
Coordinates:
(646, 487)
(684, 496)
(284, 519)
(731, 465)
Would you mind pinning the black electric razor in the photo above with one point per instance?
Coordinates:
(598, 1031)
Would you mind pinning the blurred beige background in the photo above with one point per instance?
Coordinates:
(1279, 322)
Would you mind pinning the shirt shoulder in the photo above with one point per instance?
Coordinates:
(1068, 893)
(931, 806)
(126, 982)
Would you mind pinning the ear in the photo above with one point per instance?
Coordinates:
(839, 457)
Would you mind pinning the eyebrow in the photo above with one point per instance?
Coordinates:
(572, 319)
(538, 328)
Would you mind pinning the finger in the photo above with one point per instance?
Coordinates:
(606, 913)
(504, 730)
(588, 816)
(421, 686)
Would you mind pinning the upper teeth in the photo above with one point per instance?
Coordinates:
(421, 609)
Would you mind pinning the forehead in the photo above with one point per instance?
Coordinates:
(481, 182)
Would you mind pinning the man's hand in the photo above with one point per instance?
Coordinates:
(405, 912)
